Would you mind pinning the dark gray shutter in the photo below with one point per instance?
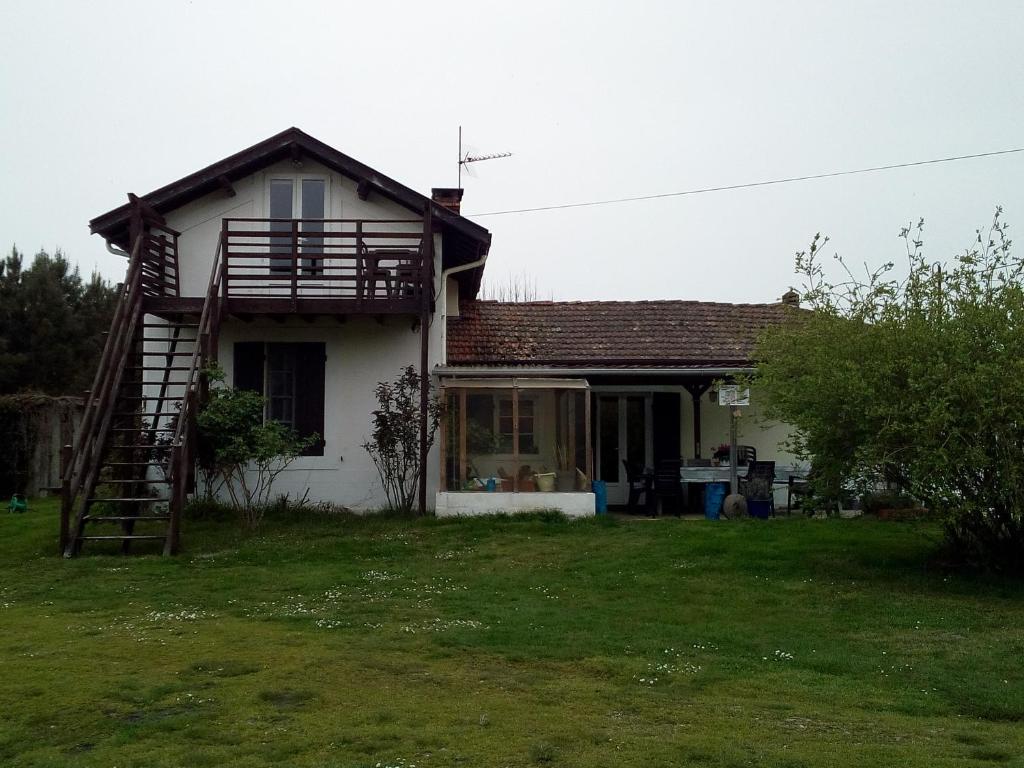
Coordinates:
(309, 393)
(248, 373)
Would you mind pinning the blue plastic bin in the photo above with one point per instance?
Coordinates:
(714, 497)
(600, 497)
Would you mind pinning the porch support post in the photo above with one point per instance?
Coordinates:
(515, 437)
(697, 391)
(426, 293)
(443, 447)
(462, 438)
(586, 427)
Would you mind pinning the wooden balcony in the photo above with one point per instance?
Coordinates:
(314, 267)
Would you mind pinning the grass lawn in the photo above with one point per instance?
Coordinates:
(358, 642)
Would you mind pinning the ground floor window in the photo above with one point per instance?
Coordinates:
(516, 435)
(291, 377)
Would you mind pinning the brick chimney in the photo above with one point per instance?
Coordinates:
(791, 298)
(449, 197)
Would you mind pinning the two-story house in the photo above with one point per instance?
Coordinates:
(310, 277)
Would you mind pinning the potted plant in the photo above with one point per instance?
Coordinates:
(566, 475)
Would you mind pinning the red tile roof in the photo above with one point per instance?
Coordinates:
(628, 334)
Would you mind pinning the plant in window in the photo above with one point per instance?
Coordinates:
(394, 444)
(240, 452)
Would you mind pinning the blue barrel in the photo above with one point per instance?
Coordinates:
(714, 496)
(600, 497)
(492, 485)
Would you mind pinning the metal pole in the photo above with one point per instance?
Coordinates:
(733, 481)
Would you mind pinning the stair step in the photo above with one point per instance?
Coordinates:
(157, 368)
(143, 397)
(147, 499)
(142, 429)
(151, 353)
(133, 537)
(170, 325)
(122, 518)
(129, 482)
(134, 464)
(145, 413)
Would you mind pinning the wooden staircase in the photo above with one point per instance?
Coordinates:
(126, 478)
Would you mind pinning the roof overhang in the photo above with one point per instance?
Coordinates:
(466, 239)
(697, 372)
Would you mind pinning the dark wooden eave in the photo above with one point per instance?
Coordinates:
(465, 241)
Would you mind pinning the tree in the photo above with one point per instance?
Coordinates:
(394, 444)
(240, 451)
(51, 324)
(916, 381)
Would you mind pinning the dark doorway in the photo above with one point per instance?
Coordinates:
(666, 426)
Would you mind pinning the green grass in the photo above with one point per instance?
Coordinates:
(348, 642)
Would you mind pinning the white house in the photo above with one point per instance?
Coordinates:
(310, 277)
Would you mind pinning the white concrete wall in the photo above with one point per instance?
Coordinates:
(360, 352)
(453, 504)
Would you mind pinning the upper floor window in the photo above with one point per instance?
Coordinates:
(301, 198)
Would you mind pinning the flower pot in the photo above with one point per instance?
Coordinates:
(545, 481)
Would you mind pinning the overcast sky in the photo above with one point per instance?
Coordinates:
(596, 100)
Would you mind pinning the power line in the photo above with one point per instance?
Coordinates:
(748, 185)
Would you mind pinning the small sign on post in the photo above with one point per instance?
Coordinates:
(732, 395)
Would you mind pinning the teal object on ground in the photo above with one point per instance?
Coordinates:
(18, 503)
(600, 497)
(714, 497)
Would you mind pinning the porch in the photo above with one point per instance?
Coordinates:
(275, 266)
(525, 444)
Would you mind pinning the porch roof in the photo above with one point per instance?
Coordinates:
(620, 335)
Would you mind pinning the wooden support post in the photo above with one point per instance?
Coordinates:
(443, 447)
(590, 445)
(697, 391)
(427, 260)
(515, 437)
(462, 439)
(65, 496)
(295, 265)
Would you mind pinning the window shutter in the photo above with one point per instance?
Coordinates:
(248, 373)
(309, 393)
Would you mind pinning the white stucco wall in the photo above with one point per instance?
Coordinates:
(360, 352)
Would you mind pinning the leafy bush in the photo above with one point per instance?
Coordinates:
(915, 381)
(241, 452)
(394, 444)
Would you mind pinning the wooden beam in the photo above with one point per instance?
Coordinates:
(363, 189)
(309, 318)
(227, 186)
(296, 153)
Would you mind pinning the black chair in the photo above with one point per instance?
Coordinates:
(667, 485)
(745, 454)
(640, 484)
(799, 487)
(758, 483)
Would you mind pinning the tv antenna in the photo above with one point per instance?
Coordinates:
(471, 157)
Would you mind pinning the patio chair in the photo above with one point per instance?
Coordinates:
(640, 484)
(667, 485)
(745, 454)
(758, 484)
(798, 487)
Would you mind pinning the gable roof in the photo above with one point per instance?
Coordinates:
(626, 334)
(469, 238)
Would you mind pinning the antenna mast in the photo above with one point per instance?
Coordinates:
(468, 158)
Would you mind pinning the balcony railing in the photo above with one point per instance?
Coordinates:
(365, 264)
